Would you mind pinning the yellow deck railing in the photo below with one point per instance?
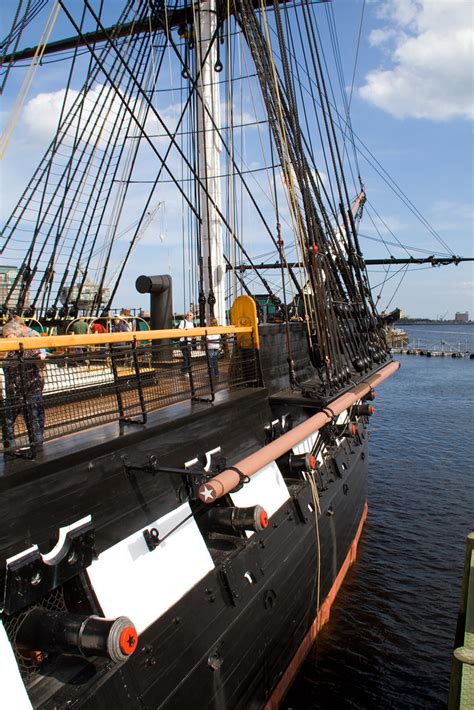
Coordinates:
(71, 341)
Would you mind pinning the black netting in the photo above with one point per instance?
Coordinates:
(30, 662)
(78, 388)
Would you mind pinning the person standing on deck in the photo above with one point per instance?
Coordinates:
(23, 388)
(98, 327)
(213, 349)
(80, 327)
(119, 325)
(27, 332)
(185, 343)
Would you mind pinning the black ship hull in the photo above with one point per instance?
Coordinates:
(178, 508)
(224, 617)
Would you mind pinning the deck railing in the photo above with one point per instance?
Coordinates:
(56, 385)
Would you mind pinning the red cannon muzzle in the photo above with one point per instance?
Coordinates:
(49, 631)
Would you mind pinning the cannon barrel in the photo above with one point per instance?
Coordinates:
(235, 519)
(49, 631)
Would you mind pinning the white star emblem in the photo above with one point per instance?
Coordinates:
(207, 494)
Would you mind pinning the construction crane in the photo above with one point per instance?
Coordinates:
(146, 222)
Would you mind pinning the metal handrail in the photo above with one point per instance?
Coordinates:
(65, 341)
(75, 388)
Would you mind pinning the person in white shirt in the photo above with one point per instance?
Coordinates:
(185, 343)
(213, 348)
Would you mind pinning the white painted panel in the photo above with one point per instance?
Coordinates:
(266, 488)
(129, 580)
(61, 548)
(12, 690)
(19, 555)
(305, 446)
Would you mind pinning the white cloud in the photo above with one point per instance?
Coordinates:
(404, 11)
(379, 37)
(99, 116)
(41, 113)
(431, 48)
(454, 207)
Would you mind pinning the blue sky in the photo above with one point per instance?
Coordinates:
(412, 106)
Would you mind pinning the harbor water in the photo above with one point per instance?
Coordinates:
(389, 641)
(441, 338)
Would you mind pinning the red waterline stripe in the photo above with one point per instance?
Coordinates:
(322, 618)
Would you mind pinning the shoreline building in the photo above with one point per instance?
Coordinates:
(8, 275)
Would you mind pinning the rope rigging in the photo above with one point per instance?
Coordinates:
(10, 43)
(281, 109)
(125, 143)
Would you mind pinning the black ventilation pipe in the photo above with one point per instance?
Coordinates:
(161, 310)
(161, 299)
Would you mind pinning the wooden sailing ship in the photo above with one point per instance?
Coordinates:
(175, 536)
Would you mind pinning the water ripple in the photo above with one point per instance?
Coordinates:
(389, 640)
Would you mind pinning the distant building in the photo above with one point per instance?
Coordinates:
(461, 317)
(7, 277)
